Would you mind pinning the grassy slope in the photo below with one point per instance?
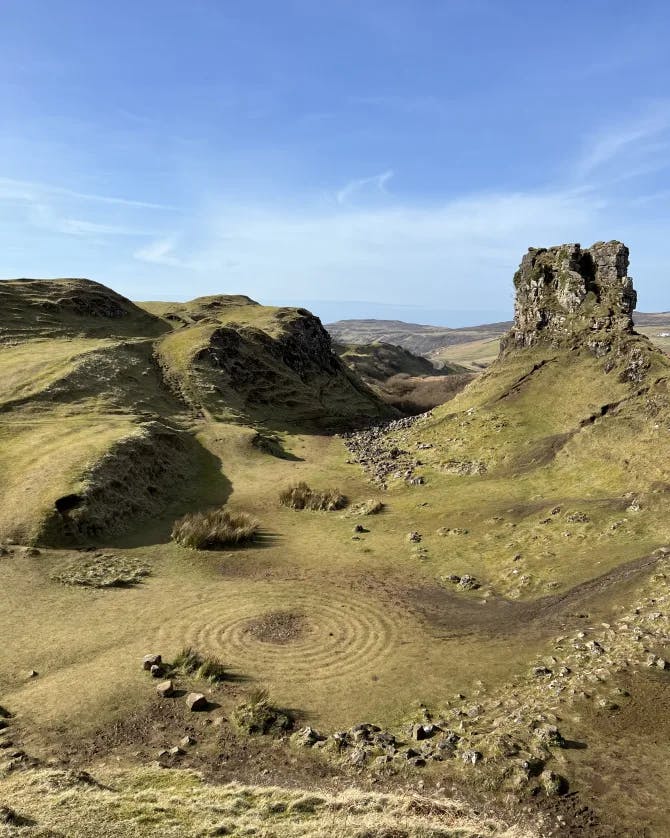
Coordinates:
(155, 802)
(251, 379)
(370, 652)
(513, 434)
(76, 373)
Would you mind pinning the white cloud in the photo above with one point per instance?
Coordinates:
(162, 252)
(633, 143)
(29, 192)
(377, 182)
(397, 254)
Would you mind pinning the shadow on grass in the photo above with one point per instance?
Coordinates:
(207, 486)
(574, 745)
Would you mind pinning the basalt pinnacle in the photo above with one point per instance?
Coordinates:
(567, 294)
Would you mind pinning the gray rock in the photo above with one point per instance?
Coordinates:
(553, 784)
(165, 689)
(550, 736)
(196, 702)
(471, 757)
(151, 660)
(424, 731)
(358, 757)
(307, 737)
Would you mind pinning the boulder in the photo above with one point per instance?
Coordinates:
(553, 784)
(165, 689)
(471, 757)
(358, 757)
(307, 737)
(424, 731)
(157, 670)
(196, 702)
(151, 660)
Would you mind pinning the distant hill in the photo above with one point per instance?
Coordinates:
(419, 339)
(378, 361)
(471, 347)
(404, 380)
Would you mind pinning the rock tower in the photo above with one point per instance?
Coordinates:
(569, 295)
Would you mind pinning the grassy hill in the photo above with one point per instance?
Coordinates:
(493, 636)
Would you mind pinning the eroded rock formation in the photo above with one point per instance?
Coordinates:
(567, 294)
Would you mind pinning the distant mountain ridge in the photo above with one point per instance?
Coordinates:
(471, 346)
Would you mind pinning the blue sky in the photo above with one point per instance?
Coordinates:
(380, 158)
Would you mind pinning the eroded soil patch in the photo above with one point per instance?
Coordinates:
(278, 627)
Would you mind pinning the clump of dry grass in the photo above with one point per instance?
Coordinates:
(163, 802)
(258, 715)
(300, 496)
(217, 528)
(102, 571)
(191, 662)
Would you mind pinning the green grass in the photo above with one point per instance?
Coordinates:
(371, 648)
(191, 662)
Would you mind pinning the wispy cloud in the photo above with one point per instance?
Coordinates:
(378, 252)
(29, 191)
(376, 182)
(425, 105)
(634, 144)
(162, 252)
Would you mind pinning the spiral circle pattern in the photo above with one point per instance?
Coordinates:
(342, 634)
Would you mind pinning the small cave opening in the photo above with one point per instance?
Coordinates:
(67, 503)
(587, 268)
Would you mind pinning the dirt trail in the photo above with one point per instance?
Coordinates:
(454, 615)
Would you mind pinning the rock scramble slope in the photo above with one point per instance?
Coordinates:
(98, 397)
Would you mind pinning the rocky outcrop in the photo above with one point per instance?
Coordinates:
(570, 295)
(278, 368)
(49, 308)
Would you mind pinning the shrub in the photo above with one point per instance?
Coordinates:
(300, 496)
(218, 528)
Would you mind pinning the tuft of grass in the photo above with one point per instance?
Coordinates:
(191, 662)
(217, 528)
(301, 496)
(257, 715)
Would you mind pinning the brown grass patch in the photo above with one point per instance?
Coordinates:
(210, 530)
(300, 496)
